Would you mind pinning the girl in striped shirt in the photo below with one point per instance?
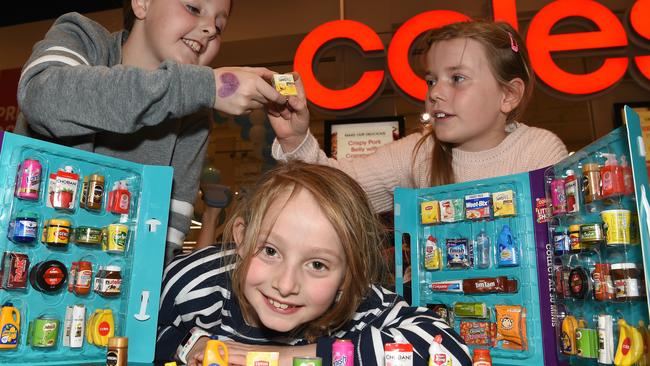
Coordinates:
(303, 271)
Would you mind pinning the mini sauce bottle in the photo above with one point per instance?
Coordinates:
(119, 198)
(572, 192)
(611, 177)
(482, 357)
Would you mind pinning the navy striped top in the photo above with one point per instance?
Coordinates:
(197, 292)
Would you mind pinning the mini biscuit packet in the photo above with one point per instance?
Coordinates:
(285, 84)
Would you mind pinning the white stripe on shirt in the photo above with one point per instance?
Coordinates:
(50, 58)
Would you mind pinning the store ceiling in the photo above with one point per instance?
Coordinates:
(32, 11)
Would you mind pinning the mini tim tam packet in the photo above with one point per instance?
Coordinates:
(477, 206)
(285, 84)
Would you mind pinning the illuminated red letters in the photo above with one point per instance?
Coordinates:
(541, 42)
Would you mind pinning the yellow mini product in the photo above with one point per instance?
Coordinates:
(117, 238)
(213, 353)
(285, 84)
(102, 326)
(617, 226)
(504, 203)
(58, 232)
(430, 212)
(262, 358)
(568, 335)
(630, 345)
(432, 254)
(645, 334)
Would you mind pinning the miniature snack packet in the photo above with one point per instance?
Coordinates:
(477, 206)
(511, 326)
(504, 203)
(262, 358)
(430, 212)
(478, 333)
(285, 84)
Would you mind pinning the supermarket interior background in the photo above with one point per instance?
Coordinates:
(240, 147)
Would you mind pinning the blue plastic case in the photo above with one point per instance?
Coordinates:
(407, 222)
(533, 227)
(141, 263)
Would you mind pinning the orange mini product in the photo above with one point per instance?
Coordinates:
(119, 198)
(9, 326)
(511, 326)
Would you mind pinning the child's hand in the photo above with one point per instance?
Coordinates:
(240, 90)
(195, 357)
(290, 120)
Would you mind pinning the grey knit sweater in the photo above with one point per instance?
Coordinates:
(74, 91)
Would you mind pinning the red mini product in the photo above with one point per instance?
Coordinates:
(119, 199)
(611, 177)
(14, 270)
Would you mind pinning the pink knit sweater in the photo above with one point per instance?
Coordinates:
(525, 149)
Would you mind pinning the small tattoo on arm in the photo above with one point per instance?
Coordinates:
(229, 84)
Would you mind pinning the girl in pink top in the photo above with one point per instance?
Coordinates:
(480, 80)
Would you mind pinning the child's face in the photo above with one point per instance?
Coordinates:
(185, 31)
(296, 275)
(464, 99)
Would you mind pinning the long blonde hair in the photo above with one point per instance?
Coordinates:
(506, 65)
(346, 206)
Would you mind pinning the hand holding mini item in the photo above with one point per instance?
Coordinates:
(290, 120)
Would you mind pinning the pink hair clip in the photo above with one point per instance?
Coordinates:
(513, 44)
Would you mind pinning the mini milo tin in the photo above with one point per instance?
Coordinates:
(43, 332)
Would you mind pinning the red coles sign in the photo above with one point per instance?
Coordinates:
(541, 43)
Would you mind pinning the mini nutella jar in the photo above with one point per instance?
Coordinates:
(628, 283)
(108, 281)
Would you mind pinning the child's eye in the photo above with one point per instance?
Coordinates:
(319, 266)
(458, 78)
(430, 82)
(270, 251)
(192, 9)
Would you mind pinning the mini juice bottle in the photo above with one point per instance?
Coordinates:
(9, 326)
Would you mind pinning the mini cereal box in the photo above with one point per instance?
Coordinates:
(430, 212)
(477, 206)
(285, 84)
(504, 203)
